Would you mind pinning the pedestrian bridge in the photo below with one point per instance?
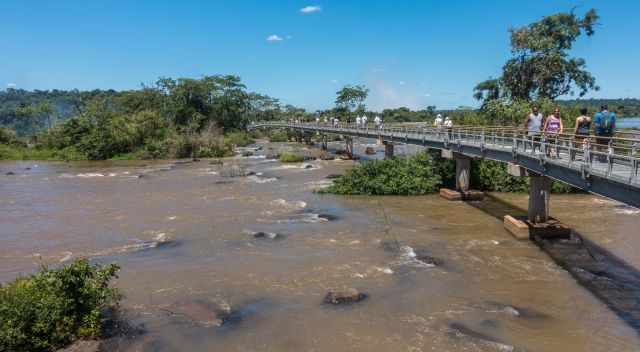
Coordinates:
(609, 170)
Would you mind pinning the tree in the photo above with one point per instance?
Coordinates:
(350, 98)
(540, 66)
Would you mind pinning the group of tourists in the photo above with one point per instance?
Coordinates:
(603, 125)
(439, 122)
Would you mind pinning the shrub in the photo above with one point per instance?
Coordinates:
(291, 158)
(415, 175)
(53, 307)
(492, 176)
(238, 139)
(278, 136)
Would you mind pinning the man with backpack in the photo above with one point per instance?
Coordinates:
(605, 126)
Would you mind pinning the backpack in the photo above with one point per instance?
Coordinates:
(606, 122)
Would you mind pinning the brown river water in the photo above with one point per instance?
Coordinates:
(184, 237)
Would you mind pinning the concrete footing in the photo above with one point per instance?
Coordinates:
(453, 195)
(523, 229)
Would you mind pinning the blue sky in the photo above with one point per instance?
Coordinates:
(409, 53)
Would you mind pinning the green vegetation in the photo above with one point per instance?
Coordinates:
(492, 176)
(278, 136)
(291, 158)
(415, 175)
(425, 174)
(53, 307)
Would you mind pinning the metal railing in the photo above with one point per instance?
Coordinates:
(615, 157)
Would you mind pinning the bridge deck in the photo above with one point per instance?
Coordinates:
(608, 170)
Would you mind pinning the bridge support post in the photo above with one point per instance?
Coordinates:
(349, 146)
(380, 140)
(537, 223)
(388, 149)
(307, 138)
(463, 179)
(324, 144)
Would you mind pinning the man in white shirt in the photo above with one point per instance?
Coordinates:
(437, 123)
(358, 121)
(376, 121)
(364, 121)
(447, 122)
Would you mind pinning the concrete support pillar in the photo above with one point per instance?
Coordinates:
(463, 173)
(307, 137)
(388, 150)
(539, 195)
(325, 142)
(349, 144)
(380, 140)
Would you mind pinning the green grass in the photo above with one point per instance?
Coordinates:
(54, 307)
(9, 152)
(291, 158)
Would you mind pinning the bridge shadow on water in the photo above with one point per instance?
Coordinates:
(608, 277)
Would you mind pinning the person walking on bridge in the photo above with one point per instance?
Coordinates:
(581, 132)
(605, 125)
(437, 123)
(364, 121)
(377, 121)
(552, 128)
(358, 121)
(533, 125)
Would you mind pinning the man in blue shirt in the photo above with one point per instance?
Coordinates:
(605, 126)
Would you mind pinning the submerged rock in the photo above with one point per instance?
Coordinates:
(235, 171)
(429, 260)
(247, 153)
(333, 176)
(200, 312)
(369, 151)
(328, 217)
(514, 311)
(268, 235)
(390, 246)
(10, 173)
(459, 330)
(350, 295)
(307, 166)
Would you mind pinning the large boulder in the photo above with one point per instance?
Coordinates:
(350, 295)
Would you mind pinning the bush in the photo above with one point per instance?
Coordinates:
(415, 175)
(278, 136)
(53, 307)
(238, 139)
(291, 158)
(492, 176)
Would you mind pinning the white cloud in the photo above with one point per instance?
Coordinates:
(274, 38)
(402, 83)
(11, 85)
(310, 9)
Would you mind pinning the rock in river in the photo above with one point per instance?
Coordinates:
(369, 151)
(333, 176)
(350, 295)
(268, 235)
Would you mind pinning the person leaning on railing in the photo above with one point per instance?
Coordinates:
(533, 126)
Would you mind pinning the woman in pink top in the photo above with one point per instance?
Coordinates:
(552, 128)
